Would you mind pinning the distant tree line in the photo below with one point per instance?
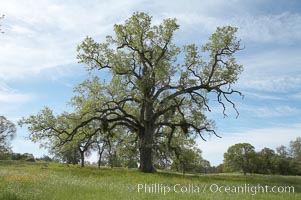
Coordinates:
(25, 156)
(284, 161)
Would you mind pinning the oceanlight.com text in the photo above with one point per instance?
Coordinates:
(158, 188)
(251, 189)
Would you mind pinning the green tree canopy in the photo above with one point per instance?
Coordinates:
(239, 157)
(266, 161)
(151, 93)
(295, 149)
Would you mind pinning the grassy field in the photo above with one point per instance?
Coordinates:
(26, 181)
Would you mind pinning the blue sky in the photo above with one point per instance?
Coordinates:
(38, 65)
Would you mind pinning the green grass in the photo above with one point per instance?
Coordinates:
(29, 181)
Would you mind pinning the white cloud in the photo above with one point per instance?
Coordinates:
(14, 97)
(266, 82)
(9, 95)
(278, 28)
(254, 95)
(44, 34)
(214, 148)
(276, 69)
(205, 16)
(11, 102)
(296, 96)
(283, 28)
(21, 29)
(270, 110)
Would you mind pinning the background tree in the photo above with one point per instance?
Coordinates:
(282, 151)
(283, 160)
(287, 159)
(7, 133)
(187, 157)
(151, 94)
(128, 151)
(239, 157)
(67, 153)
(75, 150)
(53, 132)
(266, 161)
(101, 145)
(295, 149)
(206, 166)
(190, 160)
(219, 168)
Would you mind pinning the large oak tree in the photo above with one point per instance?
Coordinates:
(157, 90)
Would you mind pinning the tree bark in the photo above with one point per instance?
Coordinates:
(82, 158)
(99, 160)
(146, 142)
(245, 171)
(74, 159)
(146, 161)
(100, 151)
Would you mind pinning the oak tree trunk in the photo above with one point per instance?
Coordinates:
(244, 171)
(146, 161)
(82, 158)
(146, 142)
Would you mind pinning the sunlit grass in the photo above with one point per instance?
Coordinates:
(23, 181)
